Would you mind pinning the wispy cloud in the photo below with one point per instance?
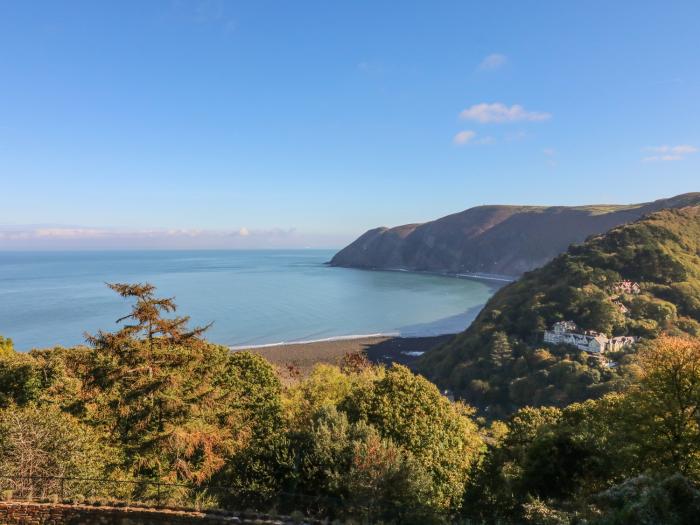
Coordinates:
(76, 237)
(492, 62)
(497, 112)
(669, 153)
(463, 137)
(468, 136)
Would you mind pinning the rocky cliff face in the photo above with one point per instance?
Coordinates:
(504, 240)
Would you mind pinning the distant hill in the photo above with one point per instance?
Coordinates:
(505, 240)
(500, 363)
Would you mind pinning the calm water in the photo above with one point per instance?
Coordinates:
(253, 297)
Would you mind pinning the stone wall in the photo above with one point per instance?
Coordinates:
(29, 513)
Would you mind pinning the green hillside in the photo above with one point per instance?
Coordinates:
(500, 362)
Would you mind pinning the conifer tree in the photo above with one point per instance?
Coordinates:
(153, 384)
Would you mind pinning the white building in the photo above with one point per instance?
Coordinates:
(567, 333)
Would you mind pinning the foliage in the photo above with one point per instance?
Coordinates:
(45, 442)
(658, 251)
(569, 459)
(356, 442)
(646, 501)
(373, 424)
(6, 346)
(411, 412)
(155, 401)
(155, 385)
(255, 473)
(665, 405)
(20, 379)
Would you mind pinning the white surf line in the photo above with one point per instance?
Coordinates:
(485, 277)
(325, 340)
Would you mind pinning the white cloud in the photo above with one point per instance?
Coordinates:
(68, 233)
(463, 137)
(682, 149)
(79, 237)
(499, 113)
(662, 158)
(493, 61)
(669, 153)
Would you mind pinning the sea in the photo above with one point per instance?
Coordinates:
(253, 297)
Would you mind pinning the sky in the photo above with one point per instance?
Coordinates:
(253, 124)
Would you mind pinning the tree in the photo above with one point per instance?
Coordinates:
(42, 376)
(501, 352)
(411, 412)
(156, 385)
(347, 470)
(46, 443)
(645, 501)
(258, 471)
(149, 324)
(387, 484)
(665, 405)
(20, 379)
(6, 346)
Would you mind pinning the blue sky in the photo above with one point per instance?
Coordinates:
(259, 124)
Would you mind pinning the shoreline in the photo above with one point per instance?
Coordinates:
(455, 275)
(379, 349)
(330, 339)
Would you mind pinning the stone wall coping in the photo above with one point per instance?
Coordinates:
(206, 517)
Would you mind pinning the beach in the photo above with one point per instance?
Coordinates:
(378, 349)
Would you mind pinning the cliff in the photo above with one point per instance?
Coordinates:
(505, 240)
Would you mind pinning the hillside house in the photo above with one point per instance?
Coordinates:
(625, 287)
(621, 307)
(568, 333)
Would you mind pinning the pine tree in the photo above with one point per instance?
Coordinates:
(154, 385)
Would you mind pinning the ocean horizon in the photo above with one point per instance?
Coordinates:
(253, 297)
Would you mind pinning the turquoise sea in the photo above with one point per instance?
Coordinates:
(253, 297)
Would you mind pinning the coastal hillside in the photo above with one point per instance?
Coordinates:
(505, 240)
(638, 281)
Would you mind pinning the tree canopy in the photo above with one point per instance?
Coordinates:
(658, 252)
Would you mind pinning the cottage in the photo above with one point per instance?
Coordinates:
(623, 309)
(625, 287)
